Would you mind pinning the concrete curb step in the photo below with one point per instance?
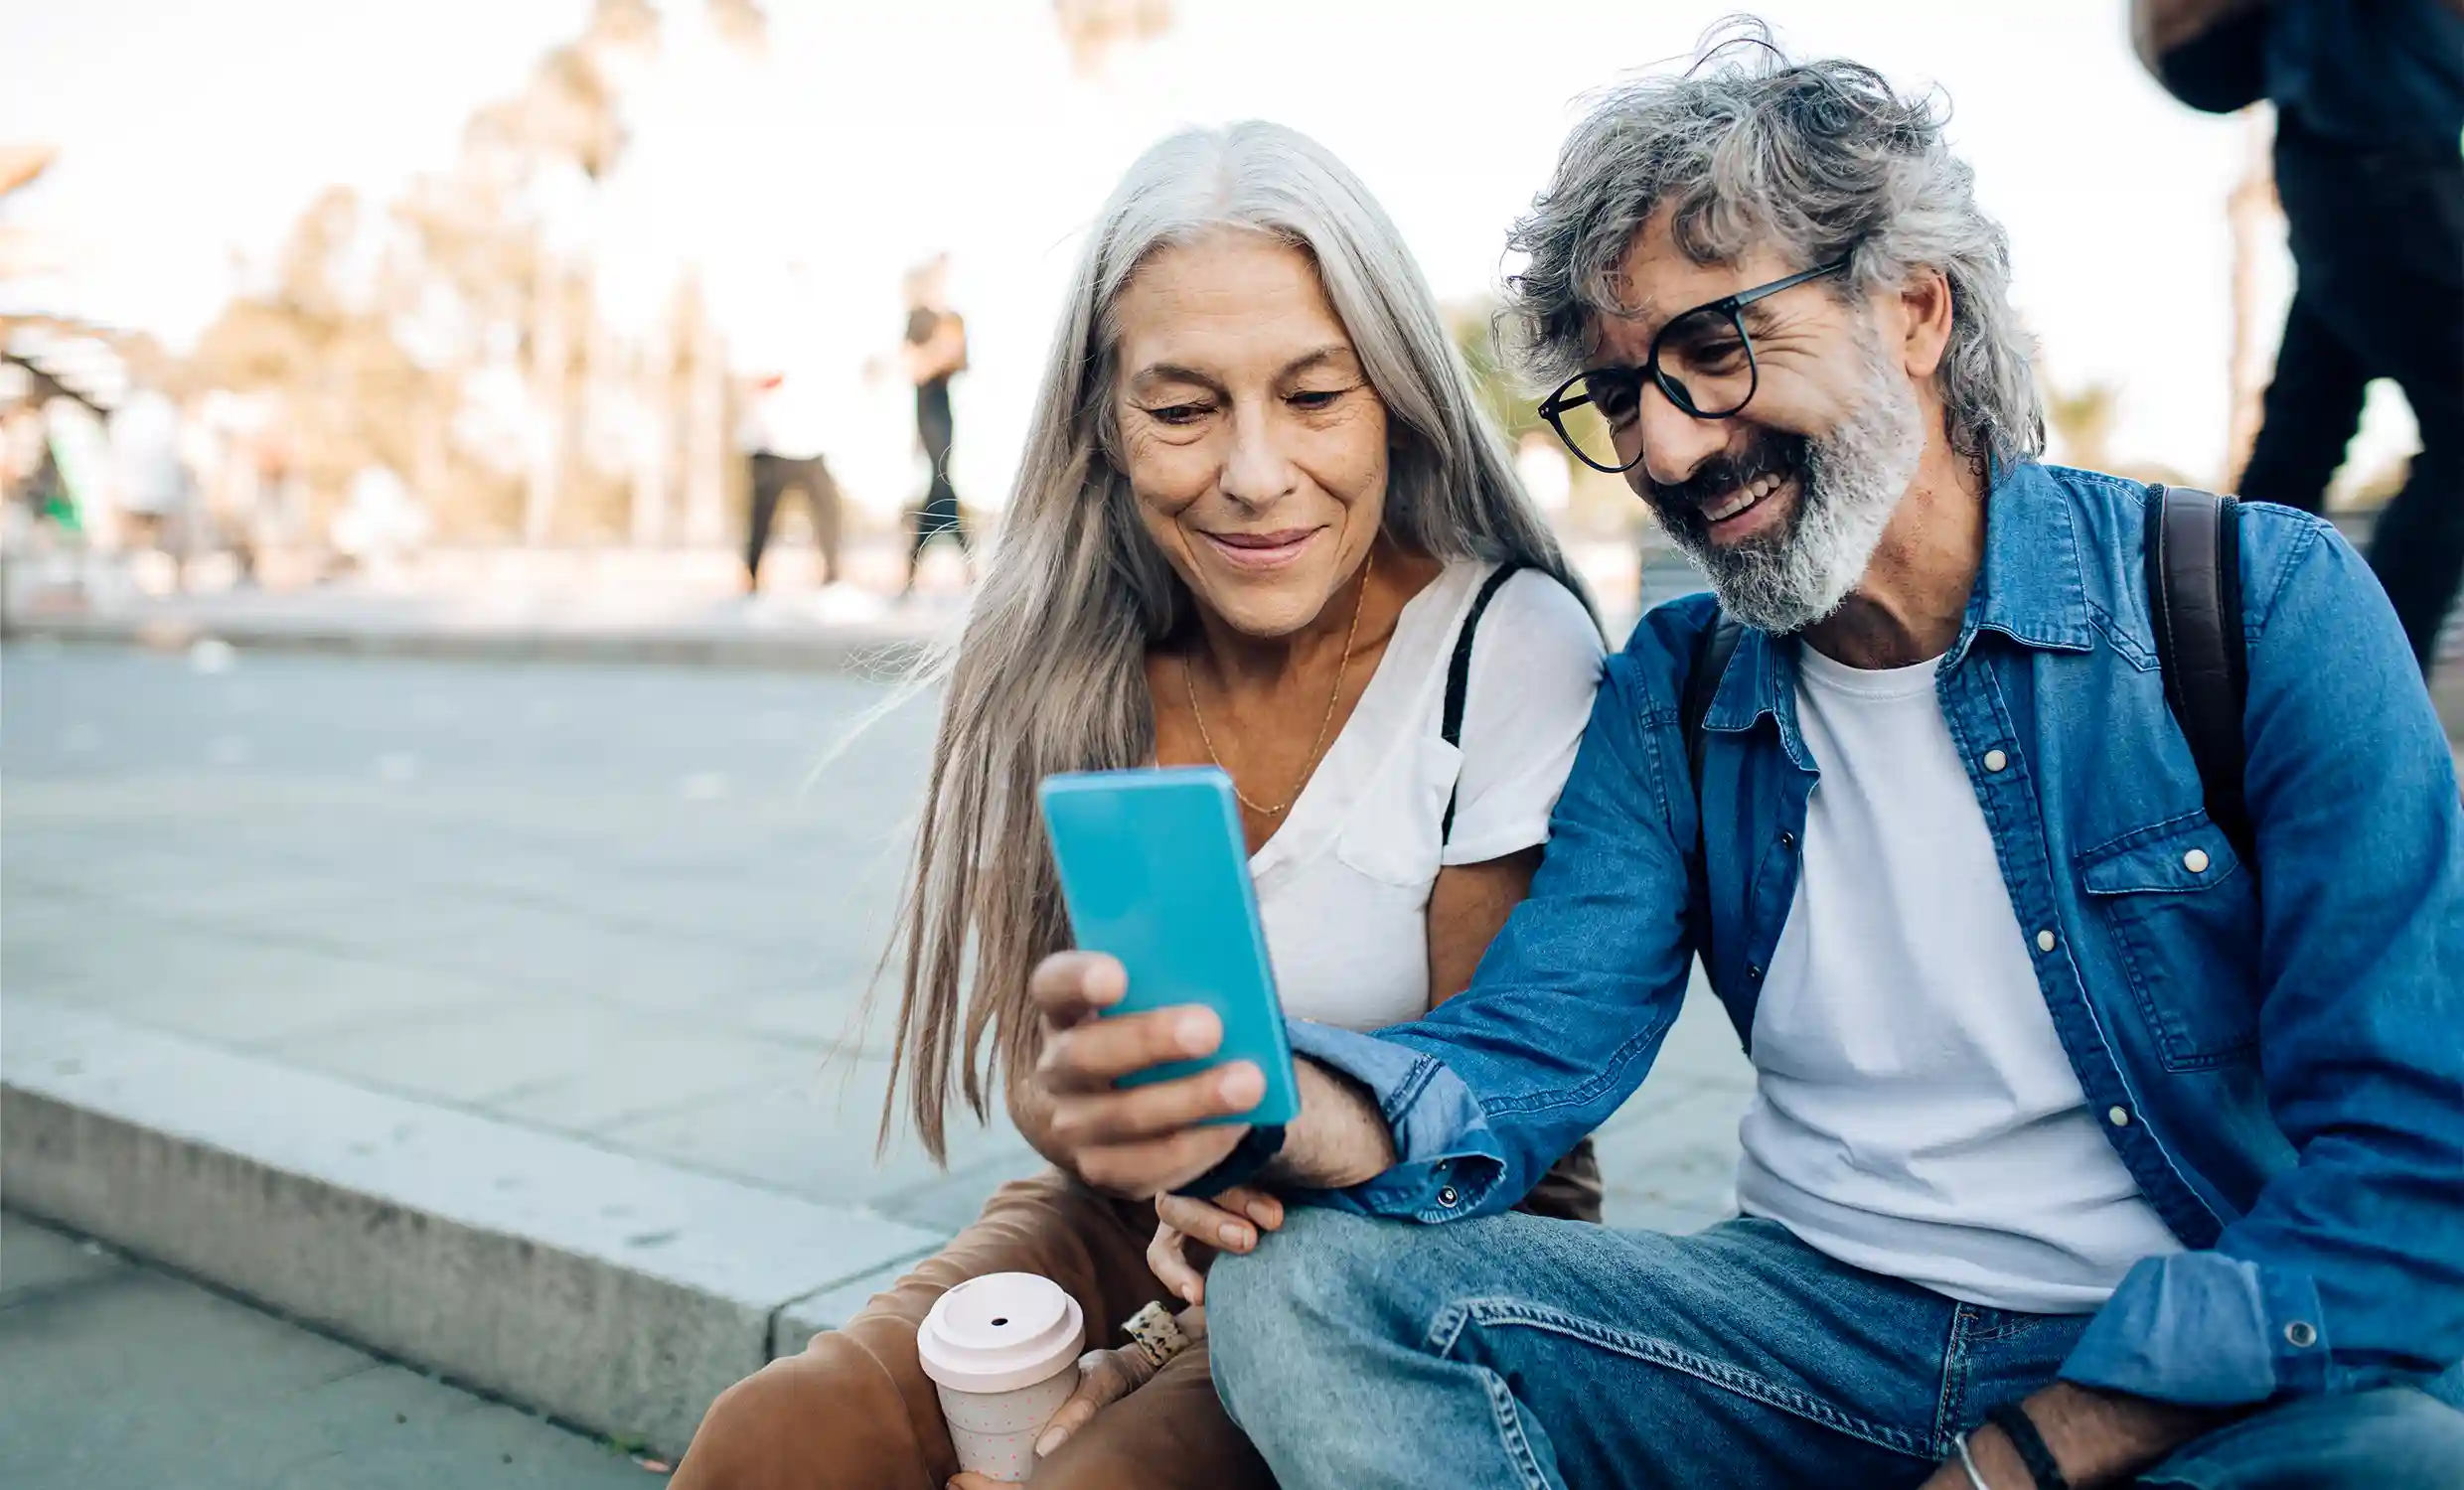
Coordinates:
(865, 651)
(616, 1293)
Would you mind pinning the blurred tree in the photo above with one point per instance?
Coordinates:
(627, 24)
(741, 24)
(2083, 421)
(22, 252)
(1472, 323)
(1094, 29)
(351, 397)
(2256, 221)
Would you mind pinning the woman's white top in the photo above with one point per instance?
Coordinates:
(1343, 885)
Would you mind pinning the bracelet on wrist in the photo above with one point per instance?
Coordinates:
(2029, 1444)
(1156, 1334)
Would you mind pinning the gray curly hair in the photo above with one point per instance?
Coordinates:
(1748, 147)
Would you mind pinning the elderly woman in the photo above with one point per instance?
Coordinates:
(1260, 523)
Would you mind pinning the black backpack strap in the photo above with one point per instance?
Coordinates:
(2193, 598)
(1458, 673)
(1711, 650)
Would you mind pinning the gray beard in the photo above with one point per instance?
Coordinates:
(1852, 481)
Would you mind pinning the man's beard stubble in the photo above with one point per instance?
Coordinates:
(1849, 482)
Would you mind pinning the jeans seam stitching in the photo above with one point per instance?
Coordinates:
(1511, 1430)
(1954, 1367)
(1443, 1332)
(1718, 1374)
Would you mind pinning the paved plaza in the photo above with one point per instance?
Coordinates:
(114, 1376)
(635, 905)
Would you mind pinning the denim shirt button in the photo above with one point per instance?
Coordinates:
(1787, 841)
(1995, 760)
(2118, 1117)
(1446, 1196)
(2300, 1334)
(2045, 941)
(1754, 972)
(2196, 861)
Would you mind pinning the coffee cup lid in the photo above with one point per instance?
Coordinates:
(1000, 1332)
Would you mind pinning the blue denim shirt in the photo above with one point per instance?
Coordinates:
(2275, 1050)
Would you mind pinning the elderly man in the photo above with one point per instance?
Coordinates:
(2109, 1122)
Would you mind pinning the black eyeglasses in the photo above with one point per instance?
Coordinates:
(1703, 361)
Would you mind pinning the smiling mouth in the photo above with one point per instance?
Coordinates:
(1743, 500)
(1262, 551)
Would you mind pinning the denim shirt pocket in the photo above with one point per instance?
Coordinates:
(2183, 914)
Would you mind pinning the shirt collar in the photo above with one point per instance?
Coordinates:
(2030, 589)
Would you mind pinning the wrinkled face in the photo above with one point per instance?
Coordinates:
(1784, 503)
(1252, 441)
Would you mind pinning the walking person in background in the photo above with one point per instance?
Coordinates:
(1263, 521)
(2370, 102)
(780, 441)
(155, 485)
(936, 352)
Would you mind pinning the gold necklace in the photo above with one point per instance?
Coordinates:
(1189, 682)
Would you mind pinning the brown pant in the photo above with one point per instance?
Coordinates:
(855, 1412)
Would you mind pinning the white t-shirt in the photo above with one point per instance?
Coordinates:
(1343, 885)
(1913, 1112)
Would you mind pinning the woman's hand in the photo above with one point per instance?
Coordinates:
(1137, 1141)
(1231, 1222)
(1104, 1378)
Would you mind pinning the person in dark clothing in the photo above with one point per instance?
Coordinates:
(2369, 103)
(782, 454)
(773, 477)
(936, 352)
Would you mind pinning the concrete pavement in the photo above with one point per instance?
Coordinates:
(115, 1376)
(611, 908)
(627, 910)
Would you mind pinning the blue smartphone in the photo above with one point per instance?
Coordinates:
(1155, 871)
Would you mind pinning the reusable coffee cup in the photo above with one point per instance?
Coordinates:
(1002, 1352)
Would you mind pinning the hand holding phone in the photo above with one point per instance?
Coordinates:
(1138, 1141)
(1165, 1034)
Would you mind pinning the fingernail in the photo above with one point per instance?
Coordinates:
(1242, 1082)
(1053, 1439)
(1260, 1214)
(1196, 1033)
(1233, 1236)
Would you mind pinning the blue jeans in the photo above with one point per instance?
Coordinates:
(1513, 1351)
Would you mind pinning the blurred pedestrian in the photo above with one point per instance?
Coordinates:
(380, 525)
(155, 487)
(782, 446)
(2369, 103)
(936, 352)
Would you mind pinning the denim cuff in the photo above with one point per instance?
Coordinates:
(2205, 1329)
(1447, 1161)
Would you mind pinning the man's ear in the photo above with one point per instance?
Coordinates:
(1925, 305)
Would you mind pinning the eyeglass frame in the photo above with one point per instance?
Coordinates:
(1555, 407)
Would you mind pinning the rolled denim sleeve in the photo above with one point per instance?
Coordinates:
(1446, 1160)
(1573, 997)
(2348, 1270)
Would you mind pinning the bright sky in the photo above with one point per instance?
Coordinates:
(877, 132)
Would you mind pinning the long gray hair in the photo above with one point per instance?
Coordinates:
(1822, 159)
(1049, 672)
